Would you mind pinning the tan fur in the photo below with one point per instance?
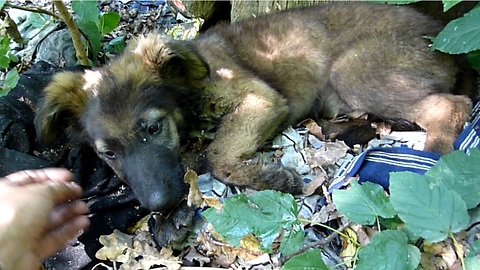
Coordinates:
(250, 80)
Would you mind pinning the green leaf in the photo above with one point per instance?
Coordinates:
(93, 34)
(86, 10)
(362, 204)
(310, 259)
(461, 35)
(448, 4)
(11, 79)
(459, 172)
(472, 261)
(474, 59)
(4, 52)
(391, 223)
(116, 45)
(389, 250)
(428, 210)
(4, 61)
(108, 22)
(87, 17)
(296, 236)
(13, 57)
(263, 214)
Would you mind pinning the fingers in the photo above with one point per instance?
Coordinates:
(60, 192)
(61, 214)
(55, 239)
(31, 176)
(49, 182)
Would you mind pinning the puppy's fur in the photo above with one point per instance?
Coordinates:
(248, 81)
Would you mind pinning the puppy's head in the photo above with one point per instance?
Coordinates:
(128, 112)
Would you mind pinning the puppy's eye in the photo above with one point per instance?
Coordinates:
(109, 154)
(154, 128)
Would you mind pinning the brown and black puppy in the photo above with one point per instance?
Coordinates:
(251, 80)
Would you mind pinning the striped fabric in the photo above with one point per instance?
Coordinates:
(375, 164)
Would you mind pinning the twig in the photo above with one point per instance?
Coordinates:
(74, 31)
(319, 243)
(12, 29)
(458, 250)
(33, 9)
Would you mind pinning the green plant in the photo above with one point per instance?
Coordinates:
(461, 35)
(260, 215)
(87, 16)
(95, 25)
(430, 207)
(9, 76)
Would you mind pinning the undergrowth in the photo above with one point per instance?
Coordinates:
(418, 210)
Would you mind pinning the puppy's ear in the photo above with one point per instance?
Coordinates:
(64, 96)
(171, 58)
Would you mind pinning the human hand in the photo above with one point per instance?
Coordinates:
(39, 213)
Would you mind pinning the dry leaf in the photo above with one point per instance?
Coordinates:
(194, 194)
(349, 248)
(213, 202)
(327, 155)
(320, 178)
(135, 252)
(194, 256)
(314, 128)
(223, 253)
(250, 243)
(114, 245)
(363, 237)
(443, 254)
(326, 213)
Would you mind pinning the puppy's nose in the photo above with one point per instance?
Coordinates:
(159, 202)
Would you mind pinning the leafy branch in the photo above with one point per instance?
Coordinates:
(86, 21)
(74, 31)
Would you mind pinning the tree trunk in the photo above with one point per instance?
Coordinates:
(245, 9)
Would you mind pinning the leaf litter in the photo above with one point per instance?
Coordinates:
(303, 149)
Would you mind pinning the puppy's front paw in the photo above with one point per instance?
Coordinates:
(171, 228)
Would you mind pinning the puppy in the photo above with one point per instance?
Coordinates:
(246, 82)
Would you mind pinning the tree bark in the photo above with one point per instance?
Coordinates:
(245, 9)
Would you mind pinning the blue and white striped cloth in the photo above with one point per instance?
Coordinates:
(375, 164)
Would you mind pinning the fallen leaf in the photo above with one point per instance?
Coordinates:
(224, 254)
(250, 242)
(325, 214)
(326, 155)
(194, 256)
(363, 237)
(314, 129)
(444, 252)
(349, 248)
(320, 178)
(194, 194)
(114, 245)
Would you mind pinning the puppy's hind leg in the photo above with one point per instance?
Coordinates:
(262, 111)
(442, 116)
